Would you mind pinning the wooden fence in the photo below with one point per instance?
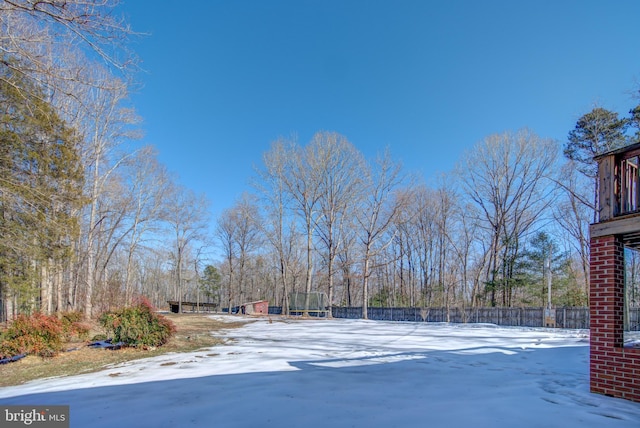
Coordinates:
(525, 317)
(570, 317)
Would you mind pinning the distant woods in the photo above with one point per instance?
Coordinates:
(490, 233)
(90, 219)
(368, 234)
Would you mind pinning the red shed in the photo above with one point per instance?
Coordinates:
(260, 307)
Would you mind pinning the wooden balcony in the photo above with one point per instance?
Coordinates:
(619, 195)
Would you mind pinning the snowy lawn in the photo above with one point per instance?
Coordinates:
(348, 373)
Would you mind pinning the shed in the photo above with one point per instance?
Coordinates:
(260, 307)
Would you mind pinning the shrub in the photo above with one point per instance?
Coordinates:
(138, 326)
(37, 334)
(72, 325)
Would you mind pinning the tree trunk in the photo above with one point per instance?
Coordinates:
(46, 288)
(365, 285)
(309, 266)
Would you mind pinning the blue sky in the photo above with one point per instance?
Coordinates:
(428, 79)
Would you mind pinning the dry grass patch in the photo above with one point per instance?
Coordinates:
(194, 331)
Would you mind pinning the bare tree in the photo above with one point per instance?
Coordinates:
(446, 210)
(248, 237)
(302, 183)
(35, 35)
(424, 221)
(401, 289)
(148, 182)
(376, 214)
(271, 184)
(573, 214)
(105, 125)
(340, 167)
(504, 176)
(187, 217)
(347, 259)
(226, 231)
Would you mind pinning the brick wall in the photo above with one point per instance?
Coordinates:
(615, 370)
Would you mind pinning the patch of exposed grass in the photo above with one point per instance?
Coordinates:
(194, 331)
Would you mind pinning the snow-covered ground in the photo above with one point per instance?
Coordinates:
(348, 373)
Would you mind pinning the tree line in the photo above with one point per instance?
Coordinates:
(90, 219)
(514, 213)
